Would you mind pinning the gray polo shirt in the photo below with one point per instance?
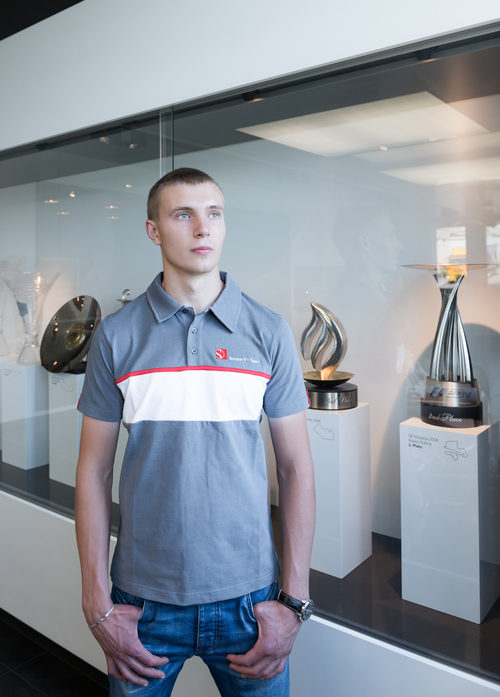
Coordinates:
(194, 516)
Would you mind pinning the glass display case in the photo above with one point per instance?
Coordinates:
(332, 184)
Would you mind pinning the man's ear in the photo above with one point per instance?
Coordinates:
(152, 231)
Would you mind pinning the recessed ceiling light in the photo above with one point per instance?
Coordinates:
(51, 200)
(128, 186)
(111, 207)
(105, 140)
(72, 194)
(456, 172)
(398, 121)
(63, 213)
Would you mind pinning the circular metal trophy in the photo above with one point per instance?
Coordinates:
(324, 342)
(66, 340)
(451, 392)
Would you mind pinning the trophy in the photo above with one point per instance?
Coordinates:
(6, 266)
(67, 337)
(324, 342)
(125, 298)
(451, 392)
(29, 290)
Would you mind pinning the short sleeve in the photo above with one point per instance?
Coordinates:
(285, 393)
(101, 398)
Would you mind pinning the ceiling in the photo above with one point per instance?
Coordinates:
(17, 15)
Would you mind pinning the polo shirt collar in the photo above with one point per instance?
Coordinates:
(226, 308)
(161, 303)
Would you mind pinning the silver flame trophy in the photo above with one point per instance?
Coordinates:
(324, 342)
(339, 434)
(451, 391)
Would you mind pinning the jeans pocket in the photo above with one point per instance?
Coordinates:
(121, 597)
(260, 596)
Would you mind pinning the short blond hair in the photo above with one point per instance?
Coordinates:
(181, 175)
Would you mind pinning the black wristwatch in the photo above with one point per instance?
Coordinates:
(302, 608)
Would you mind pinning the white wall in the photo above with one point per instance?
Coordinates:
(102, 60)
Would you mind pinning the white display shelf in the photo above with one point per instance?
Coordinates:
(24, 407)
(65, 425)
(340, 446)
(450, 517)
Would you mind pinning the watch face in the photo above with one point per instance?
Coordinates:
(307, 610)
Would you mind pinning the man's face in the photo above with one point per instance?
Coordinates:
(190, 228)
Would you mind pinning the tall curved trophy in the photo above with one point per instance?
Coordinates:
(324, 342)
(451, 392)
(30, 290)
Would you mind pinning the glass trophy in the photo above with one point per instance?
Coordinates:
(324, 342)
(6, 266)
(451, 392)
(29, 290)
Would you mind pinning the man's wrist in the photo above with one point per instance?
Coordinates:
(302, 608)
(96, 606)
(103, 618)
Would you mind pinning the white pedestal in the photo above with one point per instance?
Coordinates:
(450, 517)
(340, 446)
(24, 406)
(65, 425)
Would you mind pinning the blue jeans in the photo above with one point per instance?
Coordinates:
(209, 631)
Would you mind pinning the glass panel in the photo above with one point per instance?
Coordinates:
(331, 188)
(75, 208)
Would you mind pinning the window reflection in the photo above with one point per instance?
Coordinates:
(331, 186)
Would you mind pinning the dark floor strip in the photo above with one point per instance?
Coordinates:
(33, 666)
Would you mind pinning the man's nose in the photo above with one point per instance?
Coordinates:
(200, 228)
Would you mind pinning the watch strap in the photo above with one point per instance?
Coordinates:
(302, 608)
(290, 602)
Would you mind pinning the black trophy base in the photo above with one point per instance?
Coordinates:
(332, 397)
(452, 416)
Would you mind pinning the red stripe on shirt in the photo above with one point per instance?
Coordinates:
(193, 367)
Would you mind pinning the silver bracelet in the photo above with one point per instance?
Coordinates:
(104, 617)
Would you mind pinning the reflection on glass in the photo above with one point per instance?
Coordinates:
(30, 290)
(451, 245)
(4, 347)
(330, 186)
(6, 266)
(493, 252)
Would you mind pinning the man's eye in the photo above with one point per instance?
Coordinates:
(183, 216)
(214, 214)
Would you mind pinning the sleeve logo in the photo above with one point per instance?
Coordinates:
(221, 353)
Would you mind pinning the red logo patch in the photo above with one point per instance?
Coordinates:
(221, 353)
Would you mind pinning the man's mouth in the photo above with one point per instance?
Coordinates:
(202, 250)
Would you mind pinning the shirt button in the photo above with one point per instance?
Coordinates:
(194, 351)
(194, 330)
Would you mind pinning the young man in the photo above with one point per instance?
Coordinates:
(189, 366)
